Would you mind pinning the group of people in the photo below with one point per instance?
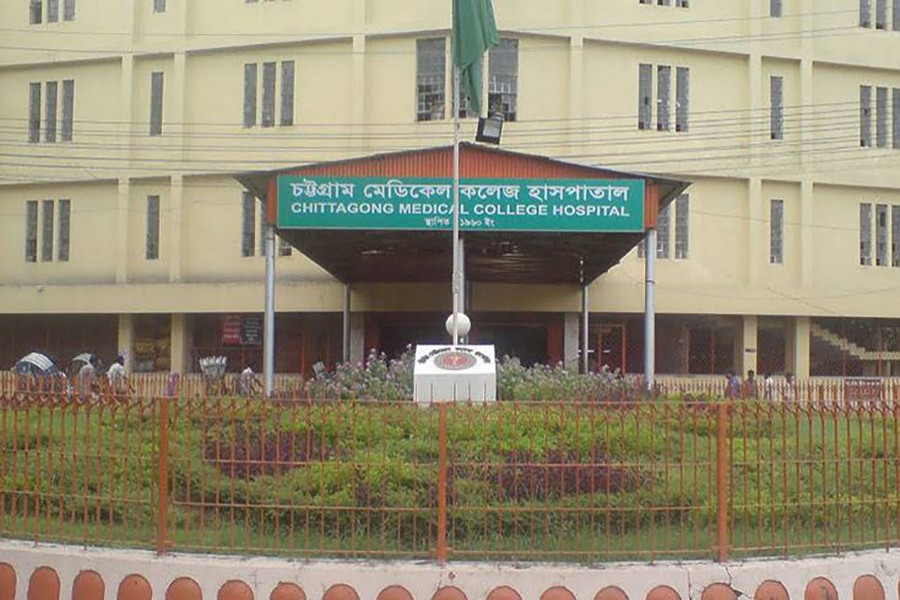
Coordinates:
(764, 388)
(89, 380)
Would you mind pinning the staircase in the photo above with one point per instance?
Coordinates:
(849, 348)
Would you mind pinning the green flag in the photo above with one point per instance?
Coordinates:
(474, 33)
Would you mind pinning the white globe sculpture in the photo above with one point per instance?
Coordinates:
(463, 325)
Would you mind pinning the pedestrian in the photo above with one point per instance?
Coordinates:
(789, 391)
(247, 383)
(749, 389)
(768, 385)
(116, 375)
(732, 385)
(85, 384)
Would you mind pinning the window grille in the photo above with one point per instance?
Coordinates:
(645, 96)
(865, 13)
(152, 242)
(865, 116)
(287, 92)
(881, 14)
(881, 235)
(250, 84)
(156, 102)
(159, 6)
(268, 97)
(34, 112)
(430, 73)
(895, 236)
(682, 98)
(865, 234)
(663, 87)
(68, 110)
(69, 10)
(682, 226)
(776, 85)
(776, 232)
(52, 11)
(248, 224)
(47, 231)
(775, 8)
(65, 215)
(31, 230)
(36, 12)
(663, 227)
(881, 116)
(51, 97)
(503, 88)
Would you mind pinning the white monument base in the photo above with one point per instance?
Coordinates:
(455, 374)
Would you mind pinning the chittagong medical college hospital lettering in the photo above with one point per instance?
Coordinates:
(589, 205)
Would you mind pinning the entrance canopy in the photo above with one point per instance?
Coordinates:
(524, 218)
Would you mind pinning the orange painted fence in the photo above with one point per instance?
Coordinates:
(633, 480)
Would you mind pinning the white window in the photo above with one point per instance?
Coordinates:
(776, 232)
(156, 102)
(865, 116)
(682, 226)
(881, 116)
(64, 223)
(52, 104)
(880, 14)
(431, 63)
(152, 240)
(31, 230)
(682, 98)
(47, 231)
(159, 6)
(776, 92)
(645, 96)
(663, 227)
(775, 8)
(663, 89)
(503, 79)
(881, 235)
(69, 10)
(895, 236)
(267, 118)
(865, 234)
(865, 13)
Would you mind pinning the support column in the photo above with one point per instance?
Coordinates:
(357, 337)
(346, 325)
(756, 248)
(123, 203)
(570, 341)
(798, 343)
(126, 340)
(649, 310)
(174, 218)
(179, 344)
(585, 330)
(746, 345)
(269, 314)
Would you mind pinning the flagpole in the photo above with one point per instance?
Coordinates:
(455, 283)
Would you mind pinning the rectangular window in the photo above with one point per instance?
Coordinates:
(35, 12)
(896, 15)
(34, 112)
(682, 226)
(69, 10)
(682, 98)
(896, 132)
(776, 125)
(65, 216)
(865, 116)
(865, 13)
(682, 3)
(881, 233)
(776, 232)
(47, 231)
(284, 247)
(645, 96)
(248, 224)
(865, 234)
(52, 11)
(159, 6)
(152, 243)
(430, 69)
(663, 87)
(663, 227)
(895, 236)
(51, 93)
(157, 79)
(287, 92)
(268, 97)
(31, 229)
(250, 84)
(503, 77)
(880, 14)
(775, 8)
(881, 116)
(68, 109)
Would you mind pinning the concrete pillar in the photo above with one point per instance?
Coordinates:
(797, 348)
(571, 329)
(745, 344)
(123, 202)
(126, 340)
(357, 337)
(180, 344)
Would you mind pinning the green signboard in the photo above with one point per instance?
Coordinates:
(586, 205)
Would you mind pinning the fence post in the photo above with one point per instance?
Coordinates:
(442, 484)
(163, 462)
(723, 492)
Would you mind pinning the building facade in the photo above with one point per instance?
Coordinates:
(123, 122)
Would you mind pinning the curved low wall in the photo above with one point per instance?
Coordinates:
(29, 572)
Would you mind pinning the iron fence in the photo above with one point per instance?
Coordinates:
(643, 479)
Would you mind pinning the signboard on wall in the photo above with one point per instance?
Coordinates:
(576, 205)
(242, 330)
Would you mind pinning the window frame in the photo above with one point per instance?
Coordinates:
(431, 87)
(503, 86)
(865, 116)
(865, 234)
(682, 227)
(64, 229)
(46, 235)
(248, 224)
(157, 98)
(152, 233)
(31, 231)
(776, 104)
(776, 231)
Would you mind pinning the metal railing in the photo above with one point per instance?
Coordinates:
(634, 480)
